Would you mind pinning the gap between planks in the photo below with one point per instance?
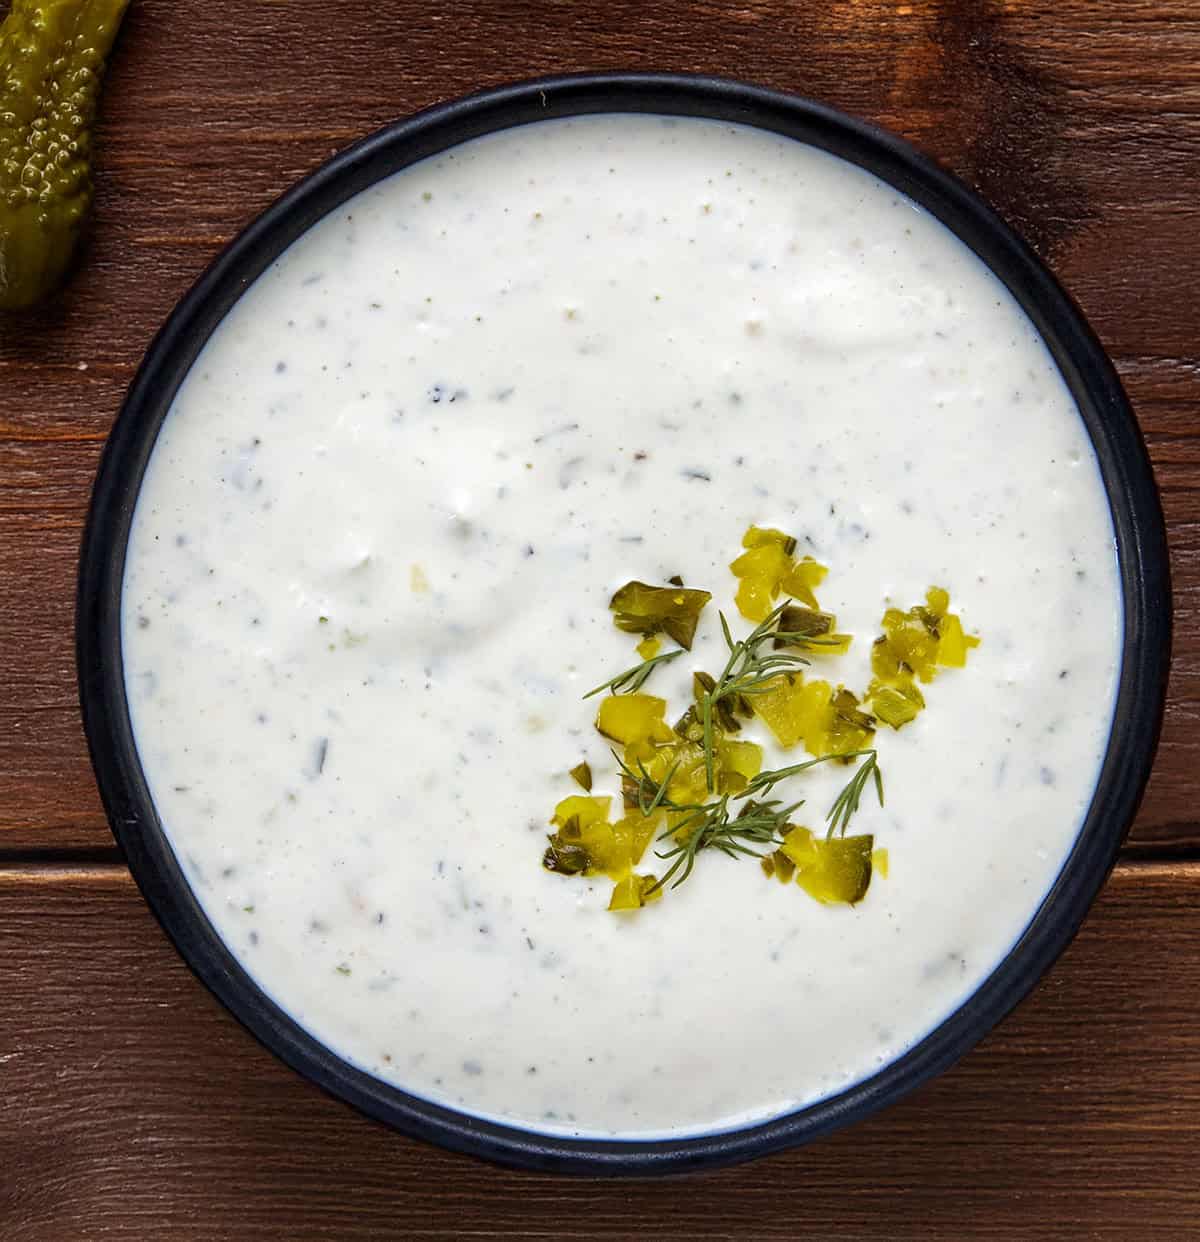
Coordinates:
(104, 866)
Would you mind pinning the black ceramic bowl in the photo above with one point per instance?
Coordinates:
(1123, 463)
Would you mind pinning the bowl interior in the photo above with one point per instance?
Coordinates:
(1088, 373)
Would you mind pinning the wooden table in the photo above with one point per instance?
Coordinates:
(131, 1105)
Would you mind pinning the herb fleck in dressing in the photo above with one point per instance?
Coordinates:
(367, 586)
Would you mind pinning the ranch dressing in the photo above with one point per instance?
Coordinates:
(367, 585)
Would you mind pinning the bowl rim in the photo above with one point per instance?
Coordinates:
(1128, 480)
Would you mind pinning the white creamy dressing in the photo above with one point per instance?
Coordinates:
(368, 580)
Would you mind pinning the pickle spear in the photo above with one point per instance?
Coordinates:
(52, 56)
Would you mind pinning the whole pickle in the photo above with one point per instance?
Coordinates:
(52, 56)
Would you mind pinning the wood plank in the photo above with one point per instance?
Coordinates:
(134, 1107)
(1081, 123)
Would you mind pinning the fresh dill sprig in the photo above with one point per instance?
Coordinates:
(748, 671)
(846, 803)
(715, 826)
(650, 794)
(764, 782)
(707, 825)
(633, 679)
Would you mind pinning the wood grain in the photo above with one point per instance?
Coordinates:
(131, 1106)
(1081, 122)
(134, 1107)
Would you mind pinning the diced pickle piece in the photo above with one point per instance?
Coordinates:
(810, 622)
(832, 644)
(834, 870)
(581, 773)
(737, 763)
(766, 560)
(912, 647)
(767, 567)
(779, 865)
(585, 810)
(848, 727)
(937, 600)
(897, 704)
(916, 642)
(600, 841)
(586, 843)
(790, 707)
(565, 858)
(953, 644)
(634, 718)
(908, 646)
(816, 630)
(683, 762)
(760, 570)
(879, 863)
(633, 892)
(646, 610)
(755, 598)
(635, 831)
(803, 579)
(648, 648)
(689, 726)
(762, 536)
(827, 721)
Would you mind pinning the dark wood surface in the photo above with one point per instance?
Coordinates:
(136, 1108)
(130, 1106)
